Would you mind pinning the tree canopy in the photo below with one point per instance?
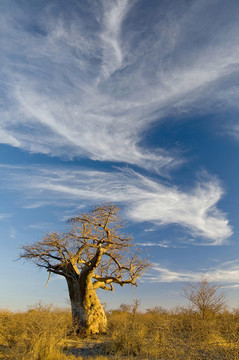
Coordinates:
(93, 241)
(94, 253)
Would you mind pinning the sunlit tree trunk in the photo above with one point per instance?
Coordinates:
(87, 312)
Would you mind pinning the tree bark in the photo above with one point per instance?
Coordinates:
(87, 312)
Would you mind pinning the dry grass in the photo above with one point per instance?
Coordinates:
(37, 334)
(174, 335)
(43, 333)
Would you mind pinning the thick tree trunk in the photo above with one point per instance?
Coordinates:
(87, 312)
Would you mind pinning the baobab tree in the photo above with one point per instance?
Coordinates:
(93, 254)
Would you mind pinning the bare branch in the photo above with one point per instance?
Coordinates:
(204, 297)
(94, 245)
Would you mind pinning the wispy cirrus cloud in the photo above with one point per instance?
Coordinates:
(94, 88)
(5, 216)
(13, 233)
(163, 244)
(6, 138)
(113, 16)
(226, 273)
(143, 199)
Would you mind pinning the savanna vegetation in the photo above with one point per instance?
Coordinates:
(45, 333)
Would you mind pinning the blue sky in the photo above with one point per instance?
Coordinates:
(134, 102)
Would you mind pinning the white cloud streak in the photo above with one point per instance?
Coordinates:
(143, 199)
(5, 216)
(227, 272)
(163, 244)
(6, 138)
(13, 233)
(114, 14)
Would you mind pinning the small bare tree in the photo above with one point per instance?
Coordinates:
(205, 297)
(92, 255)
